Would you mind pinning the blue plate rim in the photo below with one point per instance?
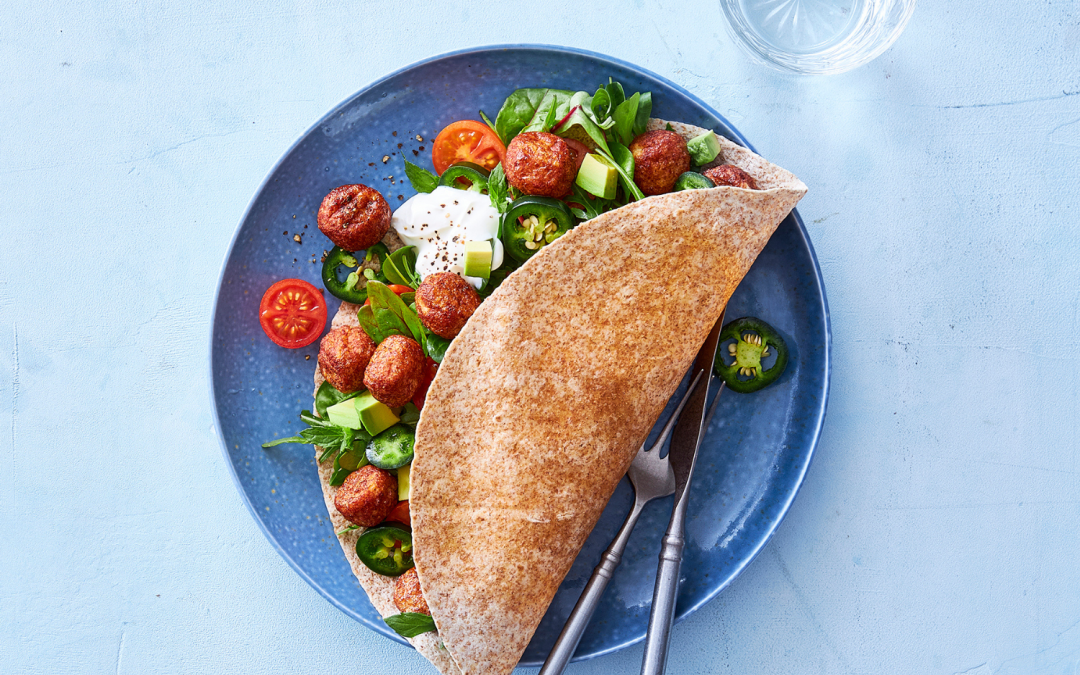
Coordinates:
(539, 47)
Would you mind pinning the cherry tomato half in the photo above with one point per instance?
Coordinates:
(292, 313)
(430, 368)
(401, 514)
(396, 288)
(467, 141)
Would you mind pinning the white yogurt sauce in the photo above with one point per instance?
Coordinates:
(439, 223)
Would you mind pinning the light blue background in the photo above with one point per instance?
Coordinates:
(938, 530)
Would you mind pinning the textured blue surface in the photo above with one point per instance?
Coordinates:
(752, 461)
(937, 528)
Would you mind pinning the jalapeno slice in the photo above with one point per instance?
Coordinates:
(386, 550)
(532, 223)
(691, 180)
(354, 288)
(749, 341)
(474, 174)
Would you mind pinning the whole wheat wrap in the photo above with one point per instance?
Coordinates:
(545, 396)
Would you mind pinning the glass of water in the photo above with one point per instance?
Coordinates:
(816, 36)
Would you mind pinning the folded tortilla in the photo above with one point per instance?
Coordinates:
(543, 399)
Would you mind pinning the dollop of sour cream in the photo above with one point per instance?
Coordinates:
(440, 222)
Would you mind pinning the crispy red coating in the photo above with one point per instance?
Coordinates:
(344, 354)
(539, 163)
(729, 174)
(660, 157)
(367, 496)
(407, 594)
(393, 374)
(445, 302)
(354, 217)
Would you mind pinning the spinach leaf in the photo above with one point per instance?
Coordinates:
(328, 396)
(497, 188)
(601, 106)
(516, 111)
(388, 315)
(422, 180)
(410, 624)
(555, 104)
(436, 346)
(615, 91)
(644, 111)
(624, 116)
(410, 414)
(400, 267)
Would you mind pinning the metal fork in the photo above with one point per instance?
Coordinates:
(652, 477)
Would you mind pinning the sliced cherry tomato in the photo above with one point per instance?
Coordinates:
(397, 288)
(292, 313)
(578, 150)
(467, 141)
(400, 514)
(430, 368)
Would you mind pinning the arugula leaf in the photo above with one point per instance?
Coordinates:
(497, 188)
(644, 111)
(487, 121)
(330, 437)
(592, 206)
(669, 127)
(624, 116)
(400, 267)
(410, 624)
(422, 180)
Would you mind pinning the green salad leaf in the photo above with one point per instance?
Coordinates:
(328, 396)
(623, 161)
(487, 121)
(497, 188)
(580, 126)
(552, 108)
(388, 315)
(422, 180)
(330, 437)
(410, 624)
(624, 116)
(435, 346)
(516, 111)
(400, 267)
(644, 111)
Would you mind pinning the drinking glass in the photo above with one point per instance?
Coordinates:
(816, 36)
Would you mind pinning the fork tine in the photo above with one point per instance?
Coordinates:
(675, 416)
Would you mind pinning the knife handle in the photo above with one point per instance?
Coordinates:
(567, 643)
(663, 608)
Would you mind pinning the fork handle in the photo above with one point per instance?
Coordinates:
(654, 659)
(567, 643)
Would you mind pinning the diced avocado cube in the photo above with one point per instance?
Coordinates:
(597, 177)
(373, 414)
(478, 259)
(403, 482)
(344, 414)
(704, 148)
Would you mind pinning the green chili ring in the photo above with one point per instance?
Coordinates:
(386, 550)
(691, 180)
(753, 339)
(533, 222)
(476, 175)
(354, 288)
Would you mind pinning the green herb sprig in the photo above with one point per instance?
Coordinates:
(410, 624)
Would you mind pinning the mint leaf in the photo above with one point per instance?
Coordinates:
(422, 180)
(410, 624)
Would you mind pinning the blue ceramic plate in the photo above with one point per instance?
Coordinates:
(752, 461)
